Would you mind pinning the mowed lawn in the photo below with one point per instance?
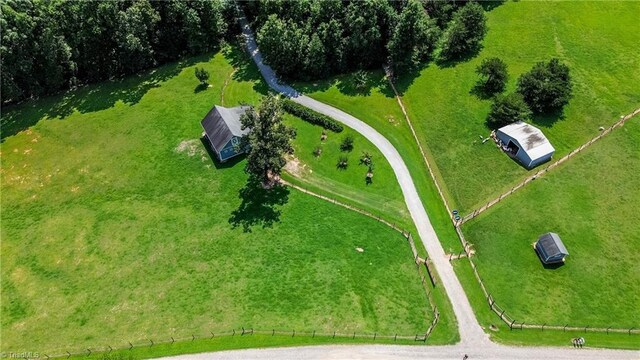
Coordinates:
(117, 226)
(597, 40)
(591, 202)
(382, 196)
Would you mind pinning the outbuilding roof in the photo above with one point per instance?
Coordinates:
(221, 124)
(551, 245)
(530, 138)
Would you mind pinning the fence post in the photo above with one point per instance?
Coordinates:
(396, 337)
(630, 331)
(294, 333)
(314, 334)
(585, 328)
(511, 325)
(565, 328)
(374, 336)
(354, 334)
(273, 332)
(334, 334)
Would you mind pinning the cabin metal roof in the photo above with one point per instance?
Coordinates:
(222, 124)
(551, 245)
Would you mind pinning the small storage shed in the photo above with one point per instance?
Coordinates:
(223, 129)
(526, 143)
(551, 249)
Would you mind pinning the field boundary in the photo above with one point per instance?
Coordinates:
(521, 325)
(387, 70)
(541, 172)
(422, 265)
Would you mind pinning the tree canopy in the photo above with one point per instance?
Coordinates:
(507, 109)
(464, 33)
(268, 141)
(49, 46)
(494, 75)
(547, 87)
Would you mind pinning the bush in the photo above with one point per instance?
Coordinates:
(464, 33)
(347, 143)
(343, 162)
(202, 75)
(508, 109)
(311, 116)
(317, 151)
(547, 87)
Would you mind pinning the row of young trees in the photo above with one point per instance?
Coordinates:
(48, 46)
(310, 39)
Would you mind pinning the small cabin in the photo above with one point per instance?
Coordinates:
(551, 249)
(223, 130)
(526, 143)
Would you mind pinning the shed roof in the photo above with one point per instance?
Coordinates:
(552, 245)
(530, 138)
(221, 124)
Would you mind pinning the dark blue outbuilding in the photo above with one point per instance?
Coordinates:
(551, 249)
(223, 129)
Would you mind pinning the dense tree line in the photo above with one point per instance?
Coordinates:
(48, 46)
(310, 39)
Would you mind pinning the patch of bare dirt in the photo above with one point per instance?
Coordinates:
(191, 147)
(295, 167)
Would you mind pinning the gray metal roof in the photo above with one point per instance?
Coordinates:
(552, 245)
(221, 124)
(530, 138)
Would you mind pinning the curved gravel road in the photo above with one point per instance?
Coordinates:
(474, 341)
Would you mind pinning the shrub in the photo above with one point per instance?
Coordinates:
(202, 75)
(311, 116)
(347, 143)
(365, 159)
(317, 151)
(507, 109)
(343, 162)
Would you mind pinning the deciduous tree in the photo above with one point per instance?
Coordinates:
(547, 87)
(268, 141)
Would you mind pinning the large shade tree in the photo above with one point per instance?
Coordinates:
(465, 32)
(494, 75)
(547, 87)
(268, 141)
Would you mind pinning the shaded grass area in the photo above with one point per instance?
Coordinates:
(591, 202)
(117, 226)
(598, 41)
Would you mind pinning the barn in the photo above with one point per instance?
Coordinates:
(223, 130)
(526, 143)
(550, 248)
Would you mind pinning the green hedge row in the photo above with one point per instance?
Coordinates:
(311, 116)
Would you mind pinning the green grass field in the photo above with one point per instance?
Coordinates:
(376, 105)
(117, 227)
(591, 202)
(382, 196)
(598, 40)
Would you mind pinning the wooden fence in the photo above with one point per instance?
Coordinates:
(541, 172)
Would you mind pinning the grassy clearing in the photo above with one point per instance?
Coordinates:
(118, 227)
(597, 40)
(591, 202)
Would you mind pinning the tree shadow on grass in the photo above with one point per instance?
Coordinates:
(245, 68)
(90, 98)
(449, 63)
(547, 120)
(259, 206)
(479, 91)
(200, 88)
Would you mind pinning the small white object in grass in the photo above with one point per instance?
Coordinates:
(359, 249)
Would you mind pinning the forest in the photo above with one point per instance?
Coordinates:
(51, 46)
